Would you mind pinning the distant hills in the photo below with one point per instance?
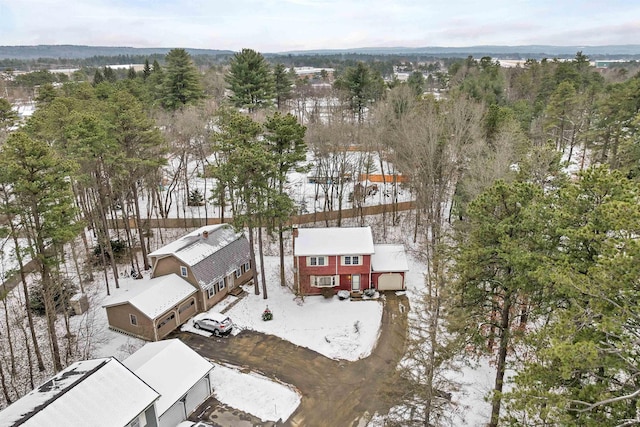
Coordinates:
(82, 52)
(525, 51)
(514, 52)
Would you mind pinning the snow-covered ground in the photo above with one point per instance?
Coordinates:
(337, 329)
(334, 328)
(308, 196)
(255, 394)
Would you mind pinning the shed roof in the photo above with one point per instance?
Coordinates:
(86, 393)
(389, 258)
(153, 296)
(334, 241)
(170, 367)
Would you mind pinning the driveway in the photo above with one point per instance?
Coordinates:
(334, 393)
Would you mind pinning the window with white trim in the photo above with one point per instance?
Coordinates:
(238, 272)
(317, 261)
(352, 260)
(221, 284)
(211, 292)
(325, 281)
(133, 319)
(246, 267)
(183, 271)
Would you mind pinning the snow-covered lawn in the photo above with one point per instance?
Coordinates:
(338, 329)
(254, 394)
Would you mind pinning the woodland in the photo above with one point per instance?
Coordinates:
(525, 181)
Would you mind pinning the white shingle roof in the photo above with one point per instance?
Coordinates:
(334, 241)
(194, 247)
(389, 258)
(99, 392)
(170, 367)
(152, 296)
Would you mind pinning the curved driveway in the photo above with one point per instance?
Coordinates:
(334, 393)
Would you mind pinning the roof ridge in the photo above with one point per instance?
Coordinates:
(35, 410)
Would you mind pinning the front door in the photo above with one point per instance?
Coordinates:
(355, 283)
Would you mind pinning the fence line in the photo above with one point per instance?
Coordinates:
(295, 219)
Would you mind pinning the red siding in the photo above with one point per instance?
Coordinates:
(334, 267)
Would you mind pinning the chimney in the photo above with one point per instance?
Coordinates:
(205, 234)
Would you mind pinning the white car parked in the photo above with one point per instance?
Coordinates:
(217, 323)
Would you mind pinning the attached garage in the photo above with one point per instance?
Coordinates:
(390, 282)
(151, 308)
(388, 268)
(166, 323)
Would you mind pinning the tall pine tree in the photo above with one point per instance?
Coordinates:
(181, 83)
(250, 80)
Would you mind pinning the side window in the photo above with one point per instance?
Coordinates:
(183, 271)
(133, 319)
(221, 284)
(238, 272)
(211, 292)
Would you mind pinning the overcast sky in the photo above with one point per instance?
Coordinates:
(281, 25)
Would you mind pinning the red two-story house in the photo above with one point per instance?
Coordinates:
(336, 258)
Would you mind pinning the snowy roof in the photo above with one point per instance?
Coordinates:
(99, 392)
(195, 247)
(170, 367)
(153, 296)
(388, 258)
(226, 261)
(334, 241)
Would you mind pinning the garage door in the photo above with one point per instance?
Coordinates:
(197, 395)
(390, 282)
(173, 416)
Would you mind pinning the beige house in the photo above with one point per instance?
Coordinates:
(189, 275)
(151, 309)
(215, 259)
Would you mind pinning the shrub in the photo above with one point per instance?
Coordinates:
(62, 293)
(195, 198)
(118, 247)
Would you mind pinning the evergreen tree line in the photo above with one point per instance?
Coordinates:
(526, 188)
